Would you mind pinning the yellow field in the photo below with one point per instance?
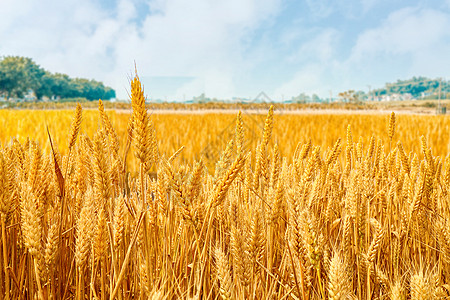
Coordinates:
(249, 209)
(206, 135)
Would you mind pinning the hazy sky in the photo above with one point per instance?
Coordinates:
(231, 48)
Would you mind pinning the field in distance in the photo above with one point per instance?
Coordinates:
(405, 107)
(205, 135)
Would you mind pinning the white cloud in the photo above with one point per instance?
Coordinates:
(318, 48)
(194, 88)
(309, 80)
(226, 45)
(195, 38)
(410, 41)
(320, 8)
(368, 4)
(350, 9)
(406, 30)
(315, 58)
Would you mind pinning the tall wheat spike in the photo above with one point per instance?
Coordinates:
(391, 126)
(75, 127)
(339, 284)
(140, 120)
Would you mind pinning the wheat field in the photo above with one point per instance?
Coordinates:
(142, 206)
(205, 136)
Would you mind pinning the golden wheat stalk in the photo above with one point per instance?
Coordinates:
(260, 154)
(225, 182)
(339, 283)
(239, 133)
(140, 120)
(75, 127)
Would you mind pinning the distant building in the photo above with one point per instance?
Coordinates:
(30, 96)
(393, 97)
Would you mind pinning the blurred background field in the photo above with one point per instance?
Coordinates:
(205, 135)
(413, 106)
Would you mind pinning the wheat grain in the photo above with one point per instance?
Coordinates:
(339, 284)
(75, 127)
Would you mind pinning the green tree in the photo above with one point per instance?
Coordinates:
(45, 86)
(315, 98)
(347, 96)
(414, 86)
(109, 93)
(302, 98)
(60, 85)
(18, 75)
(352, 96)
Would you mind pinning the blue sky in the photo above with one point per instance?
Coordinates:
(233, 47)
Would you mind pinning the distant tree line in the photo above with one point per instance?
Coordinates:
(417, 86)
(19, 75)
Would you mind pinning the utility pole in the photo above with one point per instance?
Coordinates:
(370, 90)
